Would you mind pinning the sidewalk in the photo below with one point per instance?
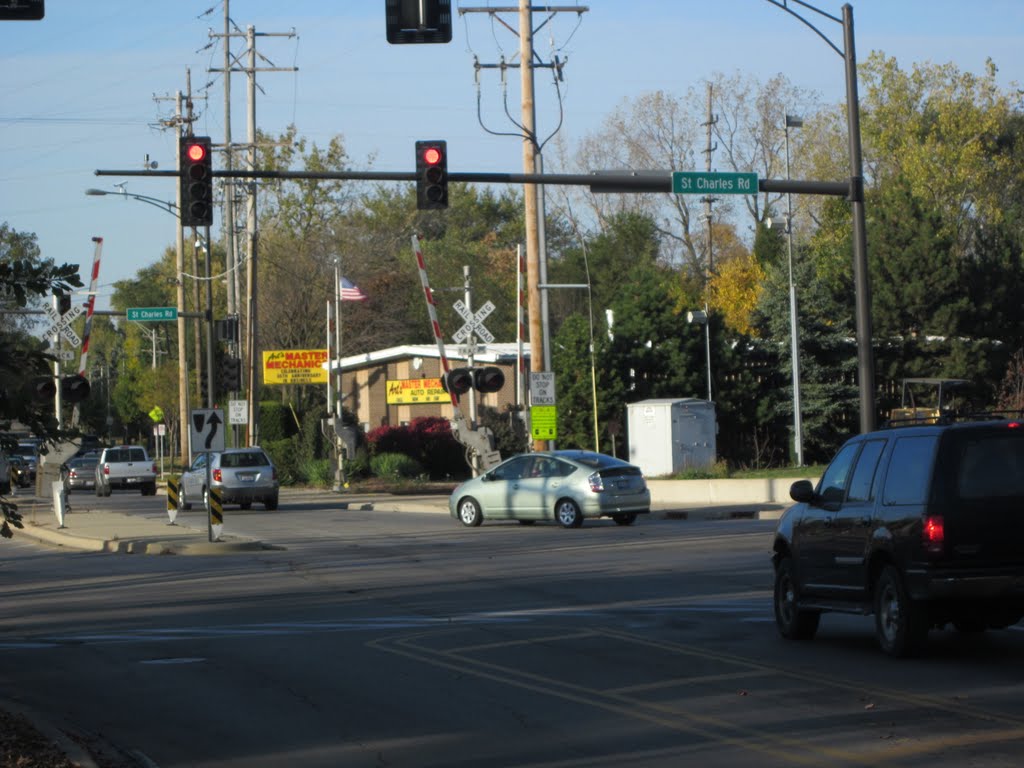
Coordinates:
(97, 530)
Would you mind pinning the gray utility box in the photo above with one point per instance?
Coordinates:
(667, 435)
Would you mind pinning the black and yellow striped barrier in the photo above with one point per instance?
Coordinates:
(216, 507)
(172, 497)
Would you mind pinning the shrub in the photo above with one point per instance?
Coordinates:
(428, 440)
(284, 455)
(395, 466)
(318, 472)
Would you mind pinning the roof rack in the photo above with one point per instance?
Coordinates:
(929, 417)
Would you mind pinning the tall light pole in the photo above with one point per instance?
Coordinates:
(175, 210)
(861, 278)
(798, 441)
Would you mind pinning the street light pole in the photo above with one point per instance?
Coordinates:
(861, 278)
(798, 441)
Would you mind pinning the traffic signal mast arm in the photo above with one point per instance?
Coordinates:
(610, 181)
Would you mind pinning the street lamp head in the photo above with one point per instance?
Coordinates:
(792, 121)
(95, 192)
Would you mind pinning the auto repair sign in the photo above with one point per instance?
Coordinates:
(413, 391)
(295, 366)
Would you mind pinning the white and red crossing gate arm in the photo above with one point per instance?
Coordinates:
(90, 305)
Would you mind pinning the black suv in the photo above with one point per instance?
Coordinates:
(921, 526)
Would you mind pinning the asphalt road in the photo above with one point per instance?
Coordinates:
(405, 639)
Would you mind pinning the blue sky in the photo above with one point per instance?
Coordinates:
(79, 86)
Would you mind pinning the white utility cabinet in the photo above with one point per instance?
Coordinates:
(669, 435)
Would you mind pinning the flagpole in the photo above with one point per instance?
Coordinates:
(330, 360)
(337, 333)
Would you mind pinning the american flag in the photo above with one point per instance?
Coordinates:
(351, 292)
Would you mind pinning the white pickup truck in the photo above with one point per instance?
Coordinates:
(125, 466)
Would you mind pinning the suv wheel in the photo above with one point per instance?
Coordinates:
(793, 623)
(900, 623)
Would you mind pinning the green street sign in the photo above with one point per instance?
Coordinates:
(690, 183)
(152, 314)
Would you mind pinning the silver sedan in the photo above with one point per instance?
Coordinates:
(564, 486)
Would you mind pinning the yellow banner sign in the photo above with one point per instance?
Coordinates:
(413, 391)
(295, 366)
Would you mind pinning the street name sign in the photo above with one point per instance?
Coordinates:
(695, 183)
(151, 314)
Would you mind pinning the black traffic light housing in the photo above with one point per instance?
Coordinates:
(63, 303)
(74, 389)
(458, 381)
(405, 24)
(484, 380)
(230, 374)
(431, 175)
(43, 388)
(196, 169)
(488, 379)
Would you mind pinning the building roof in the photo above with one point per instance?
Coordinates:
(503, 352)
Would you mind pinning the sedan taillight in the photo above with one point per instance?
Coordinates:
(596, 482)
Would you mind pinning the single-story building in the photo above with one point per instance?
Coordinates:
(396, 385)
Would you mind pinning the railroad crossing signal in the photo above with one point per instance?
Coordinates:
(474, 322)
(62, 324)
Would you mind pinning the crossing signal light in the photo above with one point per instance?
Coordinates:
(43, 388)
(488, 379)
(230, 378)
(418, 21)
(63, 303)
(196, 169)
(458, 381)
(431, 175)
(484, 380)
(74, 389)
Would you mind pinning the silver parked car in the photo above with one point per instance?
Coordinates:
(242, 475)
(80, 472)
(565, 486)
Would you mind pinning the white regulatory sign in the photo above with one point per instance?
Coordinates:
(62, 324)
(238, 411)
(474, 322)
(542, 388)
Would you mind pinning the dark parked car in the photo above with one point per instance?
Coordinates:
(919, 525)
(564, 486)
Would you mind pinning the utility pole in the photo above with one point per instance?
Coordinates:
(536, 266)
(250, 357)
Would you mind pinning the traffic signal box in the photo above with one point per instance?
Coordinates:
(431, 175)
(196, 168)
(425, 21)
(484, 380)
(73, 389)
(230, 374)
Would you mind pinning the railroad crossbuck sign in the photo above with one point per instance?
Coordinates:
(62, 324)
(474, 322)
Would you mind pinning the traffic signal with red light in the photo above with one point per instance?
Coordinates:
(431, 175)
(74, 389)
(418, 21)
(488, 379)
(196, 169)
(458, 381)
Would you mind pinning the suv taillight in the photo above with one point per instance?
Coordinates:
(106, 469)
(933, 534)
(216, 475)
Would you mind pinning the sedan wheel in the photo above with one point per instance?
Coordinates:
(627, 519)
(469, 512)
(568, 515)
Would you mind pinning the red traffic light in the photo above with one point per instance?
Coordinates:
(432, 155)
(196, 152)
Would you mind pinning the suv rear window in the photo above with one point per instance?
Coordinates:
(991, 465)
(910, 471)
(248, 459)
(122, 455)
